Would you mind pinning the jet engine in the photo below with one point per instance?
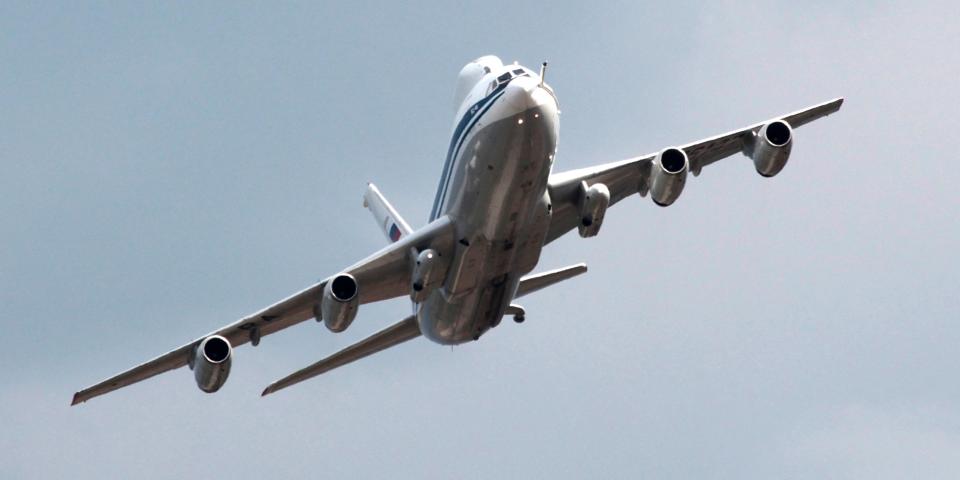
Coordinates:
(771, 147)
(593, 207)
(338, 305)
(211, 363)
(668, 175)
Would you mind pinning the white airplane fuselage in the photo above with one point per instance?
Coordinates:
(497, 205)
(494, 190)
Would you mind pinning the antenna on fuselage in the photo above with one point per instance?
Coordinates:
(543, 71)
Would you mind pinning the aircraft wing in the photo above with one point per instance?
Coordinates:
(287, 312)
(630, 176)
(383, 275)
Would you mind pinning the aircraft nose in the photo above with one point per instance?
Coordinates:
(525, 93)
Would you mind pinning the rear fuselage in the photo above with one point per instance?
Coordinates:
(494, 189)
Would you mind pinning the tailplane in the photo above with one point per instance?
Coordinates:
(532, 283)
(391, 336)
(539, 281)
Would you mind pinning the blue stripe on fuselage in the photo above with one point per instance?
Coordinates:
(456, 141)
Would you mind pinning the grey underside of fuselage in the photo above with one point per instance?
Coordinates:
(501, 212)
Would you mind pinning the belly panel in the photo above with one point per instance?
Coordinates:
(497, 199)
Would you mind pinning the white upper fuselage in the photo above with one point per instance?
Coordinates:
(493, 189)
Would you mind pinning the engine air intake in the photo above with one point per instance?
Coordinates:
(668, 175)
(216, 349)
(778, 134)
(770, 147)
(211, 363)
(344, 288)
(673, 160)
(338, 305)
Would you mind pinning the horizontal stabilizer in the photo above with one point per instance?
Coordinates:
(532, 283)
(392, 224)
(407, 329)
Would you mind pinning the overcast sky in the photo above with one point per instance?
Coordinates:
(167, 169)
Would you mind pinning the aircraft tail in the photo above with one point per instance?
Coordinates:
(392, 224)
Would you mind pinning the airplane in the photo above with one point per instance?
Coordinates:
(497, 205)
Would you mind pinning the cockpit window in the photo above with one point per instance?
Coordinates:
(506, 77)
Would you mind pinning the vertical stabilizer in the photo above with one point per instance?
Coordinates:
(392, 224)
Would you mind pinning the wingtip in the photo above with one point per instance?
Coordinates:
(76, 399)
(267, 391)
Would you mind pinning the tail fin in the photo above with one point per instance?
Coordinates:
(392, 224)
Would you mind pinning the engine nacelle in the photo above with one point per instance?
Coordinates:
(668, 175)
(338, 305)
(594, 201)
(211, 363)
(771, 147)
(426, 275)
